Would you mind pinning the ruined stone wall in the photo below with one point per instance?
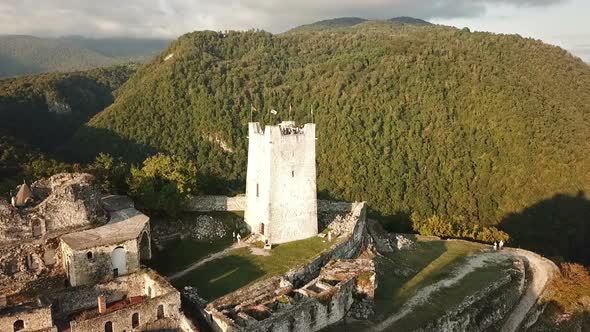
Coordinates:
(209, 203)
(137, 284)
(34, 318)
(122, 319)
(73, 200)
(83, 270)
(23, 263)
(334, 206)
(346, 249)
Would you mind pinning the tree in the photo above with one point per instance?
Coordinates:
(164, 183)
(110, 173)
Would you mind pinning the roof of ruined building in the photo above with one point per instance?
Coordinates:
(124, 225)
(114, 203)
(24, 195)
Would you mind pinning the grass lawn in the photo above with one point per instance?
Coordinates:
(177, 255)
(240, 267)
(402, 273)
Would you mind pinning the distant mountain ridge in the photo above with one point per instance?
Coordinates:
(26, 55)
(344, 22)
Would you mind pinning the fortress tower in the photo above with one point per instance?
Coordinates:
(281, 201)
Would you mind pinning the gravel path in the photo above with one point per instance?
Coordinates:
(209, 258)
(542, 271)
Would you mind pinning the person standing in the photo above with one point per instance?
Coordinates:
(495, 245)
(501, 245)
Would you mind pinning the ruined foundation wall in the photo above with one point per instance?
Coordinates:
(347, 249)
(73, 201)
(84, 297)
(310, 314)
(122, 319)
(21, 264)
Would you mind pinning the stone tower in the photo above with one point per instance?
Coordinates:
(281, 200)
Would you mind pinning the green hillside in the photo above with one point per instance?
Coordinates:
(429, 120)
(45, 110)
(26, 55)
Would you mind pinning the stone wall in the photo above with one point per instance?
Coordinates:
(121, 319)
(348, 248)
(302, 300)
(209, 203)
(274, 305)
(34, 316)
(23, 263)
(73, 200)
(99, 268)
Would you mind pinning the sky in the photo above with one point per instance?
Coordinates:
(559, 22)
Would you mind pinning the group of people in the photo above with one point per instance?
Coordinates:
(236, 237)
(498, 245)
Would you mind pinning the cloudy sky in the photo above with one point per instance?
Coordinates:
(560, 22)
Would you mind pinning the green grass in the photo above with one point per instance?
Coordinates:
(177, 255)
(430, 261)
(240, 267)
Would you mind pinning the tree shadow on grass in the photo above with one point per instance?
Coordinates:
(559, 226)
(221, 276)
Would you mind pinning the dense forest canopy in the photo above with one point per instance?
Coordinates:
(422, 120)
(45, 110)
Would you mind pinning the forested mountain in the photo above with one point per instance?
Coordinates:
(475, 128)
(44, 111)
(24, 55)
(132, 49)
(347, 22)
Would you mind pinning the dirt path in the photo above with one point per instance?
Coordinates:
(542, 271)
(423, 295)
(209, 258)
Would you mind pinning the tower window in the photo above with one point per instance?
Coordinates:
(292, 174)
(89, 255)
(257, 192)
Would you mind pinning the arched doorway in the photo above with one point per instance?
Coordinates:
(119, 261)
(19, 325)
(145, 251)
(135, 320)
(108, 326)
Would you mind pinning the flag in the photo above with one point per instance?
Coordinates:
(253, 109)
(273, 111)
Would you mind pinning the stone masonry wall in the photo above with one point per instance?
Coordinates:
(99, 268)
(211, 203)
(347, 249)
(121, 319)
(35, 318)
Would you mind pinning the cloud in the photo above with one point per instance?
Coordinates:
(170, 18)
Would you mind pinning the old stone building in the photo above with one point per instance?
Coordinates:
(29, 235)
(281, 195)
(31, 316)
(106, 252)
